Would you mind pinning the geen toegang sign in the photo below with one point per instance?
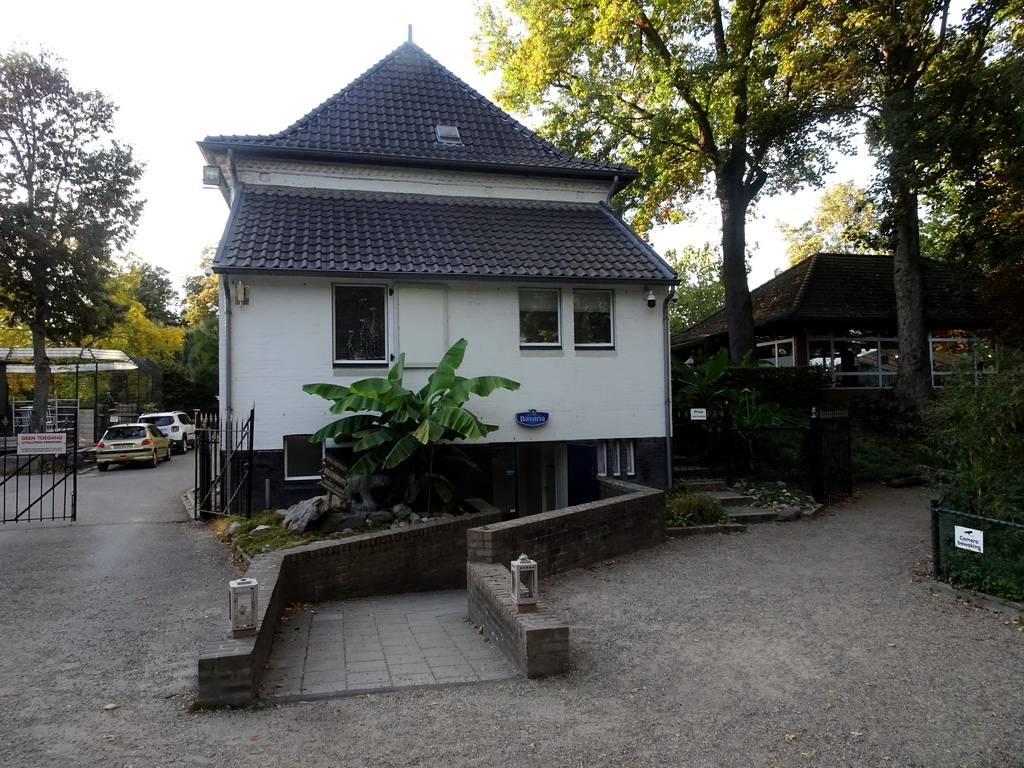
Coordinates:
(968, 538)
(53, 443)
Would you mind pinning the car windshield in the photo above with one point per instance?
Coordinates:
(160, 421)
(125, 433)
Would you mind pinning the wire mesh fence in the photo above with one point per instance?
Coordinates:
(983, 554)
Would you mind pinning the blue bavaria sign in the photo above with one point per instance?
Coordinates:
(532, 418)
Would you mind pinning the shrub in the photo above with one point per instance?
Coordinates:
(978, 432)
(685, 508)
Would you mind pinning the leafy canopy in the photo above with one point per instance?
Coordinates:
(846, 220)
(396, 428)
(701, 96)
(67, 199)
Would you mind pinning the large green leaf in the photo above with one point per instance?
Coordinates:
(443, 376)
(481, 386)
(326, 391)
(404, 449)
(462, 422)
(344, 427)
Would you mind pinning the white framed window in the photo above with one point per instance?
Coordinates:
(592, 319)
(602, 458)
(777, 351)
(539, 317)
(302, 459)
(616, 467)
(360, 324)
(631, 458)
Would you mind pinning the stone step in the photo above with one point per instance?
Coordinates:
(703, 486)
(756, 515)
(730, 498)
(684, 470)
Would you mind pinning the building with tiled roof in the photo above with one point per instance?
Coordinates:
(406, 212)
(839, 310)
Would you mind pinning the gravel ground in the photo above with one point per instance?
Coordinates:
(814, 643)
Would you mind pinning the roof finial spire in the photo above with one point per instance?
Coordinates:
(410, 33)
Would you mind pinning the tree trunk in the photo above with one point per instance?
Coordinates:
(913, 377)
(739, 312)
(41, 396)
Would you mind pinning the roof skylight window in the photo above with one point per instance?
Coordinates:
(448, 134)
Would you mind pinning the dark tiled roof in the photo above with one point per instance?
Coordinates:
(392, 111)
(387, 234)
(853, 289)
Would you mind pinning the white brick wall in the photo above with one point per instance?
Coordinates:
(283, 339)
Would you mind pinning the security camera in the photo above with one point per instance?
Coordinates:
(651, 301)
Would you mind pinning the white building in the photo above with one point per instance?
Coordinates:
(407, 212)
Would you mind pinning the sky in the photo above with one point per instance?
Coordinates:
(181, 71)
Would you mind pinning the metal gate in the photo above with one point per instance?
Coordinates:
(831, 456)
(40, 481)
(223, 483)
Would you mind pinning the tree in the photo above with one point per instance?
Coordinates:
(396, 428)
(920, 69)
(67, 198)
(846, 220)
(151, 286)
(740, 97)
(201, 293)
(701, 292)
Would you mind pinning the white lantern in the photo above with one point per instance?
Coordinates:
(524, 584)
(243, 606)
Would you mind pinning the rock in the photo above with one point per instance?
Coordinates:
(367, 492)
(414, 518)
(788, 514)
(401, 511)
(341, 522)
(380, 517)
(302, 516)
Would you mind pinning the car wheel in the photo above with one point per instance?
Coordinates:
(102, 467)
(183, 445)
(155, 460)
(167, 456)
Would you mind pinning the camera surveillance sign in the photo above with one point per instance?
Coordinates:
(968, 538)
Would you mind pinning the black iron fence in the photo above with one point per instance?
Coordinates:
(224, 448)
(817, 455)
(40, 479)
(984, 554)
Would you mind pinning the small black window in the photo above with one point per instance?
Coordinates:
(302, 459)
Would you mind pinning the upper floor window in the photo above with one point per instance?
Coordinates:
(360, 324)
(539, 317)
(592, 318)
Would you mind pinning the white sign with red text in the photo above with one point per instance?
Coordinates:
(51, 443)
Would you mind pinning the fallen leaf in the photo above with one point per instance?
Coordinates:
(790, 736)
(109, 707)
(806, 754)
(255, 738)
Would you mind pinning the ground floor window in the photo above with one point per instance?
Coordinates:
(868, 360)
(592, 319)
(360, 324)
(302, 459)
(776, 350)
(539, 317)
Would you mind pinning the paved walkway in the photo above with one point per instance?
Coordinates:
(377, 644)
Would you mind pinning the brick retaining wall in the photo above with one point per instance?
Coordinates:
(627, 518)
(537, 643)
(417, 558)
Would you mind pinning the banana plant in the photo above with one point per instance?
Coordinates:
(395, 428)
